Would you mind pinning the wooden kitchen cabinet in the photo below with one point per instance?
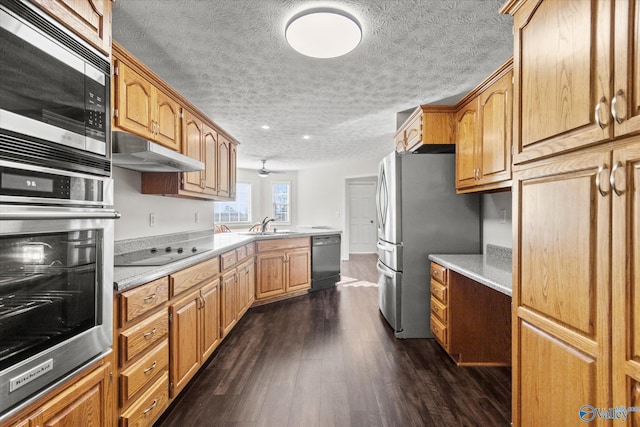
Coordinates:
(568, 94)
(575, 247)
(483, 134)
(283, 268)
(467, 137)
(462, 313)
(86, 400)
(142, 349)
(224, 163)
(246, 279)
(625, 275)
(229, 310)
(194, 318)
(147, 106)
(90, 19)
(143, 109)
(200, 143)
(427, 125)
(562, 288)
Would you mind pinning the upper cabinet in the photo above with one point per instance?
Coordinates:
(483, 135)
(428, 124)
(147, 106)
(567, 94)
(625, 102)
(90, 19)
(143, 109)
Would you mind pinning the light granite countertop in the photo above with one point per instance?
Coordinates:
(126, 277)
(492, 269)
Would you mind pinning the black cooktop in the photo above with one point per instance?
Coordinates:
(157, 256)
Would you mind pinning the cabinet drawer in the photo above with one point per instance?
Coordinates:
(250, 248)
(138, 338)
(439, 291)
(228, 260)
(138, 301)
(137, 376)
(241, 253)
(189, 277)
(149, 406)
(439, 310)
(283, 244)
(439, 331)
(439, 273)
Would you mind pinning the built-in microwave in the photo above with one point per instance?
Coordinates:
(54, 94)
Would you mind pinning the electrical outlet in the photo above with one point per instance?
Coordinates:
(196, 217)
(152, 219)
(503, 216)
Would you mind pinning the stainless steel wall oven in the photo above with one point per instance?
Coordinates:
(56, 205)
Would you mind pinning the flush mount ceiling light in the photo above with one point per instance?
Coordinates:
(323, 33)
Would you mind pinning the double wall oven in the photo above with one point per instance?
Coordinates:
(56, 205)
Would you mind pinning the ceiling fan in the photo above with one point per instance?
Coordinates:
(264, 172)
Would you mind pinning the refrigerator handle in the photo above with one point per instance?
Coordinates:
(384, 246)
(382, 269)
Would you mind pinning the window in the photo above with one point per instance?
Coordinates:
(281, 202)
(238, 211)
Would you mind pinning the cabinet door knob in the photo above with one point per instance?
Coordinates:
(599, 121)
(612, 179)
(614, 108)
(601, 169)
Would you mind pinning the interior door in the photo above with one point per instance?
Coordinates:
(362, 217)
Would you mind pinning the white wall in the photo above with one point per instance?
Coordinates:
(322, 194)
(173, 215)
(494, 230)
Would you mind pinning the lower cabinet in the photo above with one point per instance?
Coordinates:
(228, 290)
(246, 286)
(471, 321)
(194, 333)
(86, 401)
(283, 268)
(143, 352)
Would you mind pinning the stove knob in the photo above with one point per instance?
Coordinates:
(154, 250)
(179, 250)
(167, 249)
(194, 249)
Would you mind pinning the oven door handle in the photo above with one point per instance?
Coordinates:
(48, 215)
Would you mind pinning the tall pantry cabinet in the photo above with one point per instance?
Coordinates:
(576, 180)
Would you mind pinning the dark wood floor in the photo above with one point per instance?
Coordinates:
(329, 359)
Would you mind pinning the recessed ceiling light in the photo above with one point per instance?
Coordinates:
(323, 32)
(306, 137)
(265, 127)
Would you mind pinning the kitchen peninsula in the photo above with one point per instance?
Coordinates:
(170, 317)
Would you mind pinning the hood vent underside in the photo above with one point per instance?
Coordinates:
(138, 154)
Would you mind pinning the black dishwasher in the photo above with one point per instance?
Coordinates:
(325, 261)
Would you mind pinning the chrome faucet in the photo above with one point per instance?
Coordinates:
(265, 222)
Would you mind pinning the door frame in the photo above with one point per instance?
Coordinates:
(346, 238)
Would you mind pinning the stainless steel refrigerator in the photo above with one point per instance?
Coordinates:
(419, 213)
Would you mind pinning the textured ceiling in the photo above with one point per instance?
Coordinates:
(230, 59)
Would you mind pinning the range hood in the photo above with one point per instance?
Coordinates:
(138, 154)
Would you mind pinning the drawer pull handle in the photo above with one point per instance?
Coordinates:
(152, 407)
(150, 297)
(151, 332)
(601, 169)
(151, 368)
